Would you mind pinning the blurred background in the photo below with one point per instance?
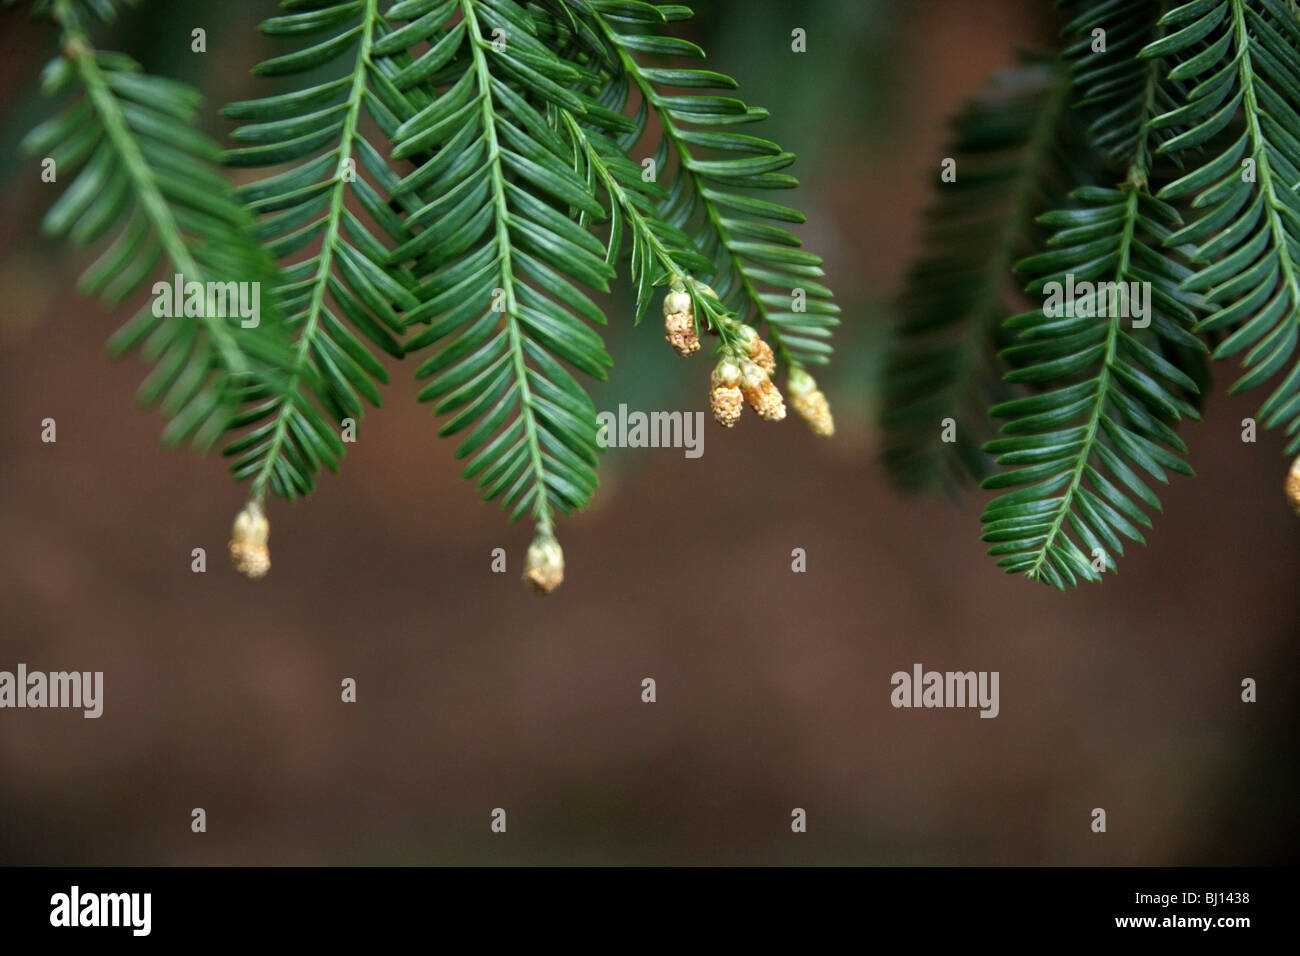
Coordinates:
(773, 687)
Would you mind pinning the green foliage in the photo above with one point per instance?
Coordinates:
(447, 178)
(658, 249)
(505, 270)
(1243, 59)
(1108, 399)
(144, 173)
(344, 300)
(1194, 104)
(1008, 147)
(1117, 92)
(512, 202)
(759, 268)
(1120, 96)
(104, 10)
(1109, 402)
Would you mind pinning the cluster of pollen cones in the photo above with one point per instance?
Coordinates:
(743, 375)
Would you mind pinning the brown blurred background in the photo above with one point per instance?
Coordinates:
(773, 687)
